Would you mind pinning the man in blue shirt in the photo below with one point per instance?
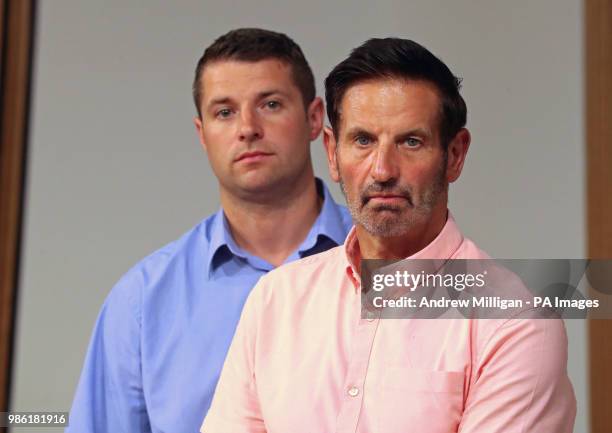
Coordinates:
(163, 332)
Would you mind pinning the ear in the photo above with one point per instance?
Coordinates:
(315, 116)
(198, 125)
(329, 140)
(457, 151)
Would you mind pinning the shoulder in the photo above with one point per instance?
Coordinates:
(525, 325)
(531, 353)
(326, 262)
(526, 339)
(469, 250)
(172, 258)
(292, 280)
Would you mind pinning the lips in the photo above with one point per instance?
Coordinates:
(254, 155)
(387, 198)
(387, 193)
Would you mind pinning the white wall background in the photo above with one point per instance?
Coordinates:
(115, 169)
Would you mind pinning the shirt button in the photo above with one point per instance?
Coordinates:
(353, 391)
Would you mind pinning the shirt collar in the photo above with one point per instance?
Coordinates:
(442, 247)
(220, 239)
(329, 223)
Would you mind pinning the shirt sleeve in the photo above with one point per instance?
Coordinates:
(521, 381)
(109, 396)
(235, 406)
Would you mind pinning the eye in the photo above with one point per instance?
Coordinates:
(412, 142)
(272, 105)
(223, 113)
(363, 140)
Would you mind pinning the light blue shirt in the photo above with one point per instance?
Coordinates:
(162, 335)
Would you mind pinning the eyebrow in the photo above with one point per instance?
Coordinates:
(218, 101)
(263, 95)
(260, 96)
(358, 131)
(419, 132)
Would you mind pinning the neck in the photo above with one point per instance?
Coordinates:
(406, 245)
(275, 225)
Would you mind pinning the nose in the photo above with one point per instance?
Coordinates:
(384, 167)
(249, 128)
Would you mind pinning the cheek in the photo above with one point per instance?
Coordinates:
(285, 132)
(218, 166)
(219, 136)
(357, 165)
(417, 175)
(421, 174)
(291, 121)
(354, 177)
(289, 129)
(213, 126)
(290, 138)
(219, 154)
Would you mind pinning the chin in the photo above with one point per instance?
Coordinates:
(260, 184)
(392, 222)
(387, 230)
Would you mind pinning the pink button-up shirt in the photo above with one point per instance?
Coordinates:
(304, 361)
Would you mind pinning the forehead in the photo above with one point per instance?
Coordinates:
(233, 78)
(390, 103)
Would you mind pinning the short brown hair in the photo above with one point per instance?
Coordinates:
(253, 45)
(402, 59)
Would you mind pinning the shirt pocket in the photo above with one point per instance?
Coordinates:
(410, 400)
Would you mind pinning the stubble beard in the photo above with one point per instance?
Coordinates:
(391, 221)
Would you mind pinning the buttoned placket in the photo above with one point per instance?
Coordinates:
(353, 390)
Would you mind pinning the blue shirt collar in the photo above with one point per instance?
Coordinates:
(329, 224)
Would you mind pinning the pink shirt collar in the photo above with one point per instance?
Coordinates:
(442, 247)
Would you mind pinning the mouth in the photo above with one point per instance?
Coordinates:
(253, 156)
(388, 199)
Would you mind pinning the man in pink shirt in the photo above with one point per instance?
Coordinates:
(304, 360)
